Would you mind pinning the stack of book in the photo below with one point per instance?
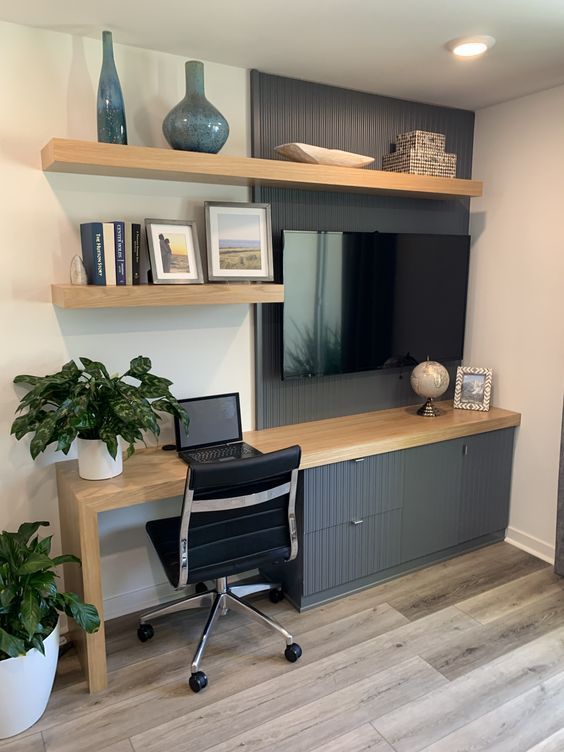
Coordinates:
(421, 153)
(111, 252)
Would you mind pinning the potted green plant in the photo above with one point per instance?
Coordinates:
(97, 409)
(29, 625)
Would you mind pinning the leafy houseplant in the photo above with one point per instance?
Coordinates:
(90, 404)
(29, 600)
(29, 625)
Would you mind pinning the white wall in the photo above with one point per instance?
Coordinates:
(48, 82)
(515, 318)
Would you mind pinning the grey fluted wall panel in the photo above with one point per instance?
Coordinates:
(284, 110)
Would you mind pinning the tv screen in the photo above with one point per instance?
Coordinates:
(362, 301)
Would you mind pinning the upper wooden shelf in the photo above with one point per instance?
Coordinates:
(92, 158)
(132, 296)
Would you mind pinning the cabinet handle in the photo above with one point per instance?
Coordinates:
(357, 522)
(359, 459)
(465, 449)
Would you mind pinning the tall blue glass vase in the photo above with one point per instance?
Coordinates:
(110, 107)
(195, 124)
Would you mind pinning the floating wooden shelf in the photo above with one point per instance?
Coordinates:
(92, 158)
(98, 296)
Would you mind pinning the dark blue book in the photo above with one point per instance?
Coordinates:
(136, 253)
(119, 238)
(92, 242)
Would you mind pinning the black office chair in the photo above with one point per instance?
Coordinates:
(236, 516)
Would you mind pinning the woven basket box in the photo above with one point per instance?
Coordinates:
(416, 162)
(421, 140)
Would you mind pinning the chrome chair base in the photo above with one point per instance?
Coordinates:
(220, 600)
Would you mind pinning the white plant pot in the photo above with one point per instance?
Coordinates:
(95, 462)
(25, 686)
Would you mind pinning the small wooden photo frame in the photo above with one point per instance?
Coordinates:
(473, 388)
(239, 242)
(174, 252)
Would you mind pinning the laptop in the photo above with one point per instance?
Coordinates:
(215, 433)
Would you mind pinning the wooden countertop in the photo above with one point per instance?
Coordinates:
(152, 474)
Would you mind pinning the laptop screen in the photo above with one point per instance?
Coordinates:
(213, 420)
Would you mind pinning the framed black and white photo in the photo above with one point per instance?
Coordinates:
(239, 242)
(174, 252)
(473, 388)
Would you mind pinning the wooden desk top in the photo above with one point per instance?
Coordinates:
(151, 474)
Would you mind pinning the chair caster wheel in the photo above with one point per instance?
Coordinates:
(201, 587)
(276, 595)
(292, 652)
(198, 681)
(145, 632)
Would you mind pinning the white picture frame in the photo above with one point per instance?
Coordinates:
(174, 252)
(473, 388)
(239, 242)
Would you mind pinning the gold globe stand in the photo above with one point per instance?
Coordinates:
(428, 410)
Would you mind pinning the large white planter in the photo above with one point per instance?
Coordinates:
(25, 686)
(95, 462)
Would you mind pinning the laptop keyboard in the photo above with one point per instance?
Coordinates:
(221, 453)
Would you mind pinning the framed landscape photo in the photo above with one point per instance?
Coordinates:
(473, 388)
(174, 252)
(239, 242)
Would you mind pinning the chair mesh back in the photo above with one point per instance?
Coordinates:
(238, 539)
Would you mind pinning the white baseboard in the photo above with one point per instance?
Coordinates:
(530, 544)
(139, 600)
(149, 597)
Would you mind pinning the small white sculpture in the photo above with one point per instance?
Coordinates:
(78, 272)
(319, 155)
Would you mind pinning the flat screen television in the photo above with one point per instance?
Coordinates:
(357, 301)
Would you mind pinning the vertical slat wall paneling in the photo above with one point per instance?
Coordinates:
(431, 504)
(285, 110)
(486, 483)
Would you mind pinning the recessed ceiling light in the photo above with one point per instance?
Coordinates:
(470, 46)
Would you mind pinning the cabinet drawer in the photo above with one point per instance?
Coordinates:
(337, 493)
(349, 551)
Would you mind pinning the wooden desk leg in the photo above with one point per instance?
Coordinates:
(79, 533)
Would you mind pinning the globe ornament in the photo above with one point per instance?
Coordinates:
(430, 380)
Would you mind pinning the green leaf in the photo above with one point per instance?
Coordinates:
(43, 582)
(25, 379)
(7, 595)
(27, 529)
(65, 559)
(154, 386)
(30, 613)
(84, 614)
(36, 562)
(138, 367)
(43, 546)
(12, 646)
(94, 368)
(37, 643)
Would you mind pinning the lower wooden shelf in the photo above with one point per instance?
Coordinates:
(135, 296)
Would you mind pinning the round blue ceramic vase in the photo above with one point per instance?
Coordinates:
(195, 124)
(110, 107)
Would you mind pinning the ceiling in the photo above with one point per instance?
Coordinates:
(378, 46)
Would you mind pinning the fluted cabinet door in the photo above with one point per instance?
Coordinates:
(486, 483)
(431, 508)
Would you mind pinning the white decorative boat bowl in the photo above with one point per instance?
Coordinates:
(318, 155)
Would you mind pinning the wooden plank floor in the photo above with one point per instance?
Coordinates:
(466, 655)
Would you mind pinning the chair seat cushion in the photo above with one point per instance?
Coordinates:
(211, 556)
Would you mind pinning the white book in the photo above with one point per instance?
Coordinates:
(128, 254)
(109, 252)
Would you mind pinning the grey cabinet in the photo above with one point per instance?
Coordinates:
(364, 521)
(486, 483)
(431, 506)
